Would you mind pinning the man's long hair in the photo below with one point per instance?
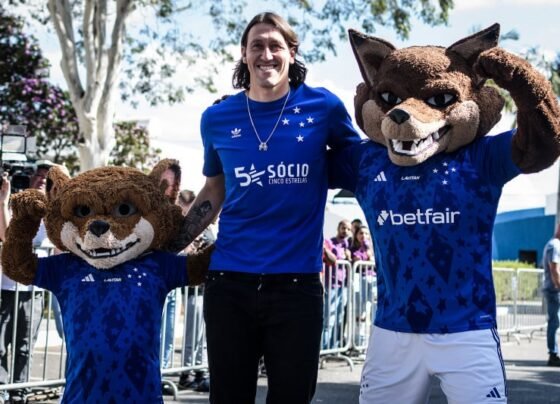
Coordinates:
(297, 70)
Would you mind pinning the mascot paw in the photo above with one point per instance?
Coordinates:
(499, 65)
(198, 264)
(30, 203)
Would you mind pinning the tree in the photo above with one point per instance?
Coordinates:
(26, 96)
(132, 147)
(97, 43)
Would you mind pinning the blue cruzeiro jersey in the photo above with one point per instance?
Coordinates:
(112, 321)
(432, 229)
(272, 216)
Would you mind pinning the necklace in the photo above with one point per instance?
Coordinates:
(263, 146)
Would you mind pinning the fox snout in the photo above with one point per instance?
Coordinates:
(399, 116)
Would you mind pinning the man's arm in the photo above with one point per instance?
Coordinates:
(203, 211)
(4, 212)
(554, 269)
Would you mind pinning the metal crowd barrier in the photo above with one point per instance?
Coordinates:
(521, 308)
(350, 305)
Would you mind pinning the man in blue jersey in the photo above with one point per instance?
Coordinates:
(429, 181)
(265, 163)
(551, 265)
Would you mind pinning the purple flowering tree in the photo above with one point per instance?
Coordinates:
(27, 98)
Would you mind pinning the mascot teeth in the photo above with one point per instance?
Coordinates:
(414, 147)
(106, 252)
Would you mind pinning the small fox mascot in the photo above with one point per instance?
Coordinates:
(112, 283)
(429, 181)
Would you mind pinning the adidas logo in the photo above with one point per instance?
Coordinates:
(381, 177)
(88, 278)
(494, 393)
(236, 132)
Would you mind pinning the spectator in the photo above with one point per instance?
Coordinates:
(551, 265)
(356, 224)
(265, 155)
(18, 301)
(341, 241)
(362, 250)
(336, 288)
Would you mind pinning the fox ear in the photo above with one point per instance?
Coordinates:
(470, 47)
(369, 52)
(164, 171)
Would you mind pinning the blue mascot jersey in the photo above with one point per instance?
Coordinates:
(432, 231)
(112, 321)
(272, 216)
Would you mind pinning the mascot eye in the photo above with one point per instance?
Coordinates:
(124, 210)
(441, 100)
(82, 211)
(390, 98)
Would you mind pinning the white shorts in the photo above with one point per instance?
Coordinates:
(399, 367)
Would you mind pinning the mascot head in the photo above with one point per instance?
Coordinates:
(110, 215)
(424, 100)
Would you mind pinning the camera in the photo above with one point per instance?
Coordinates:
(16, 151)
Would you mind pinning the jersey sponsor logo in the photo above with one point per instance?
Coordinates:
(275, 174)
(427, 216)
(112, 280)
(380, 177)
(410, 178)
(235, 132)
(88, 278)
(248, 178)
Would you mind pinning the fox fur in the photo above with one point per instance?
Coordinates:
(423, 100)
(106, 216)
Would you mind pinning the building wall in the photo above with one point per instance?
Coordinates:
(521, 233)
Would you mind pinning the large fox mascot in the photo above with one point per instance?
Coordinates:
(429, 181)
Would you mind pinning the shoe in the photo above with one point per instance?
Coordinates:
(18, 396)
(186, 381)
(166, 390)
(203, 385)
(553, 360)
(262, 368)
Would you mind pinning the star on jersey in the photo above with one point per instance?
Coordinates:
(299, 138)
(285, 121)
(297, 110)
(445, 174)
(302, 124)
(310, 119)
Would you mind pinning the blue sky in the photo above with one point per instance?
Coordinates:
(536, 21)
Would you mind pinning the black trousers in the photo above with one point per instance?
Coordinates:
(29, 311)
(248, 316)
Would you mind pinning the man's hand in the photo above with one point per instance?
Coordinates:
(5, 189)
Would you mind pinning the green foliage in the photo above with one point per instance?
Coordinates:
(173, 37)
(132, 147)
(511, 264)
(28, 98)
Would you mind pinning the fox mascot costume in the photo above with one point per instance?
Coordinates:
(429, 181)
(112, 283)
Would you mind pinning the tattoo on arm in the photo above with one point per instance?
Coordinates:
(193, 225)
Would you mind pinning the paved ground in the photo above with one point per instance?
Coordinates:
(530, 381)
